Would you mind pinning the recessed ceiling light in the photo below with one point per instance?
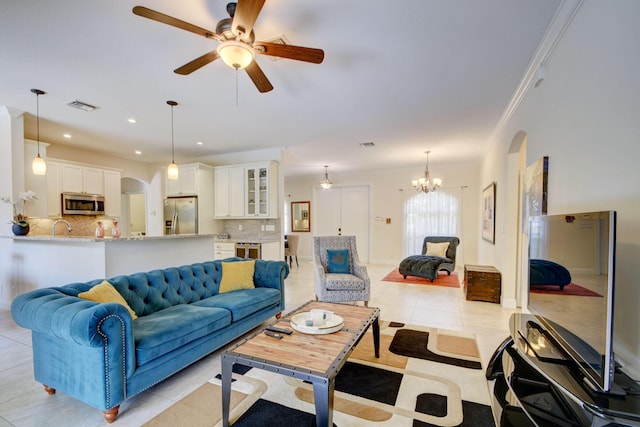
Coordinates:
(138, 152)
(131, 120)
(200, 143)
(66, 135)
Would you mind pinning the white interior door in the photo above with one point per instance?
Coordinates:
(344, 211)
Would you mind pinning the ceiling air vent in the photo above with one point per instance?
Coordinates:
(82, 105)
(281, 39)
(367, 144)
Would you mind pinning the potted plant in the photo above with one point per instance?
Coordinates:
(20, 225)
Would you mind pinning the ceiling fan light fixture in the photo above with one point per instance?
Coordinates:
(236, 54)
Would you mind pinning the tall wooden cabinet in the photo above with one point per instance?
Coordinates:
(247, 191)
(261, 190)
(229, 191)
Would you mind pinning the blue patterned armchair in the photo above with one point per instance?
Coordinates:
(351, 285)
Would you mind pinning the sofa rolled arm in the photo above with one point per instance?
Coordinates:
(270, 274)
(51, 312)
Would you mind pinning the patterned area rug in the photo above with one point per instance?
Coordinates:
(570, 289)
(443, 279)
(424, 377)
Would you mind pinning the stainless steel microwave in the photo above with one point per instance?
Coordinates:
(82, 204)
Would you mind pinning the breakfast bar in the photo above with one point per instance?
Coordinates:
(43, 261)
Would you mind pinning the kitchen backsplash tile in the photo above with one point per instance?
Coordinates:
(252, 228)
(81, 225)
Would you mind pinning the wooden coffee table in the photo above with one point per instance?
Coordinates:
(313, 358)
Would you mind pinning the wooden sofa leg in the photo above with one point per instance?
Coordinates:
(49, 390)
(366, 303)
(111, 414)
(278, 315)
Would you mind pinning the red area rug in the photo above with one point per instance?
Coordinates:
(570, 289)
(442, 280)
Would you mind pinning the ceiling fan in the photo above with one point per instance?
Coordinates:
(237, 46)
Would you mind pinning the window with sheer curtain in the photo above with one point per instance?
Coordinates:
(431, 214)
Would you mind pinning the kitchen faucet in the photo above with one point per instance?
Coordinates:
(53, 226)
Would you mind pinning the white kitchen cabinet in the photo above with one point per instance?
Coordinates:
(271, 251)
(229, 192)
(54, 189)
(261, 190)
(112, 190)
(82, 179)
(187, 182)
(93, 180)
(223, 250)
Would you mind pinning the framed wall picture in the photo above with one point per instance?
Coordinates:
(489, 213)
(300, 216)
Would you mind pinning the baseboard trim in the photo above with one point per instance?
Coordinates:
(629, 361)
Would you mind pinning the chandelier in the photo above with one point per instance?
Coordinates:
(426, 184)
(326, 182)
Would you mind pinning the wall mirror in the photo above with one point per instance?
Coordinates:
(300, 216)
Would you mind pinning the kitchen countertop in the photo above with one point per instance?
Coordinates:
(67, 238)
(246, 240)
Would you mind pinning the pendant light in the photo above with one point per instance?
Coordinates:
(326, 183)
(38, 166)
(172, 169)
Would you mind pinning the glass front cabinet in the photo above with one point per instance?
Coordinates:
(261, 190)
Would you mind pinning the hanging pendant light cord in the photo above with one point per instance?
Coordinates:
(236, 87)
(172, 159)
(38, 120)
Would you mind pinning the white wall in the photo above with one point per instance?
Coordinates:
(386, 202)
(584, 116)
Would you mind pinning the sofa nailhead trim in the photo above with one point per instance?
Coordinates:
(106, 359)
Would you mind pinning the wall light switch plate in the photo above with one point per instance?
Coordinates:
(240, 227)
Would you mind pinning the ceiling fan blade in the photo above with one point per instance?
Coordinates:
(197, 63)
(245, 16)
(174, 22)
(299, 53)
(257, 76)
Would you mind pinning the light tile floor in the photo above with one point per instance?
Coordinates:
(23, 402)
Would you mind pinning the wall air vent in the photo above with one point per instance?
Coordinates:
(82, 105)
(367, 144)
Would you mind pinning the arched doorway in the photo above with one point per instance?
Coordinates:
(518, 246)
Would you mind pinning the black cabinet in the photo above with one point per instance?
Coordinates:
(532, 392)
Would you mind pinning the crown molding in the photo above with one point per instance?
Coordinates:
(561, 20)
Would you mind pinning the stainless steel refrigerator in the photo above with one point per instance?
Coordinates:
(181, 215)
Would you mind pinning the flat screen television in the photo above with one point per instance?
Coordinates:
(571, 287)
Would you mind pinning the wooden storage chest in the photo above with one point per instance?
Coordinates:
(482, 283)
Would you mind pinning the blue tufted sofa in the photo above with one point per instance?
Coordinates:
(99, 355)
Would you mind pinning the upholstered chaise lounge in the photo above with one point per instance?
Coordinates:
(105, 353)
(544, 272)
(438, 253)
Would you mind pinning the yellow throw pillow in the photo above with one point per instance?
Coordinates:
(237, 275)
(105, 292)
(437, 249)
